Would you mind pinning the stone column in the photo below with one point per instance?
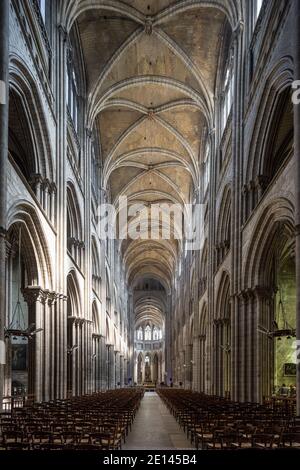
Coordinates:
(53, 343)
(74, 361)
(86, 358)
(237, 155)
(143, 370)
(254, 312)
(112, 382)
(36, 300)
(135, 374)
(215, 358)
(243, 340)
(88, 354)
(99, 365)
(121, 371)
(188, 367)
(103, 359)
(95, 385)
(125, 371)
(60, 44)
(117, 368)
(168, 340)
(203, 349)
(296, 51)
(4, 64)
(62, 346)
(47, 348)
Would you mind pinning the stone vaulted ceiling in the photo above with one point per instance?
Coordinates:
(151, 73)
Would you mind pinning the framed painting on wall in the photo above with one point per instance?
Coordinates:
(19, 356)
(289, 369)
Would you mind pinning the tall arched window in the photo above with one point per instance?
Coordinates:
(156, 333)
(75, 82)
(227, 93)
(96, 269)
(206, 167)
(140, 334)
(74, 226)
(257, 8)
(72, 94)
(148, 333)
(42, 5)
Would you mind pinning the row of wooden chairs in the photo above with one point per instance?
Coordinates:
(98, 421)
(213, 422)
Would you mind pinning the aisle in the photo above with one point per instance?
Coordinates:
(155, 428)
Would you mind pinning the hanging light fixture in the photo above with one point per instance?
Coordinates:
(286, 331)
(17, 326)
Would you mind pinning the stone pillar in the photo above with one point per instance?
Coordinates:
(237, 155)
(74, 358)
(47, 337)
(215, 358)
(151, 368)
(135, 375)
(112, 382)
(88, 356)
(53, 344)
(188, 368)
(117, 368)
(81, 357)
(126, 371)
(36, 300)
(203, 358)
(60, 40)
(62, 355)
(243, 341)
(98, 364)
(143, 370)
(251, 315)
(7, 369)
(121, 371)
(168, 340)
(103, 364)
(296, 51)
(4, 64)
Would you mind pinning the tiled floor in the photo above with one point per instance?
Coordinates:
(155, 428)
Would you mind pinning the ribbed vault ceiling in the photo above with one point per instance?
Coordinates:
(151, 71)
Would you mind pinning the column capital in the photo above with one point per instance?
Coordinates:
(238, 29)
(63, 32)
(33, 294)
(89, 132)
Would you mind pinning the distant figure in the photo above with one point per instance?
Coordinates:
(292, 391)
(171, 382)
(284, 390)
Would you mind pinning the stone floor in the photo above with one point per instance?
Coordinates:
(155, 428)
